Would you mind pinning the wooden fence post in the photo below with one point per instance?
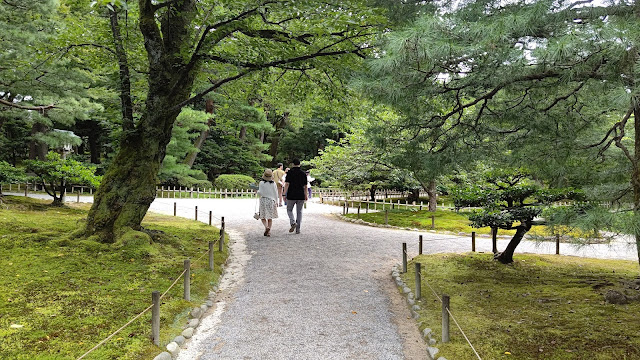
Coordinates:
(386, 217)
(221, 241)
(210, 216)
(358, 211)
(78, 197)
(196, 213)
(211, 255)
(175, 208)
(420, 245)
(557, 244)
(445, 318)
(187, 280)
(418, 281)
(155, 318)
(404, 257)
(473, 241)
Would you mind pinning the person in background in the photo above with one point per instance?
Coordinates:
(268, 197)
(278, 177)
(295, 188)
(284, 180)
(309, 180)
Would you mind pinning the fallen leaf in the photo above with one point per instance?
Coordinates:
(507, 353)
(354, 312)
(16, 326)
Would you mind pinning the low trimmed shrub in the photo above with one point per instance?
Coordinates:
(233, 182)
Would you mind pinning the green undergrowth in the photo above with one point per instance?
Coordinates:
(61, 296)
(540, 307)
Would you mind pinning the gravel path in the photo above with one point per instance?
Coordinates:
(324, 294)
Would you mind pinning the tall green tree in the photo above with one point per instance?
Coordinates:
(39, 89)
(502, 73)
(224, 41)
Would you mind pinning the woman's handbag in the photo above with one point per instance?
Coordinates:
(256, 214)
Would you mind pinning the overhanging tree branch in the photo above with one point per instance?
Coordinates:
(40, 109)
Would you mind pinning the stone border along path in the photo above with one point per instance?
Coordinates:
(324, 294)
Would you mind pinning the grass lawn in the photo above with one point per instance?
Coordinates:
(445, 221)
(59, 296)
(540, 307)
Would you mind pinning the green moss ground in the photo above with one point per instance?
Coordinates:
(541, 307)
(59, 296)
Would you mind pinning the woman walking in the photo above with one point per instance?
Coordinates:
(268, 200)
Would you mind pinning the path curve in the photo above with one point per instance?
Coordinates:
(326, 293)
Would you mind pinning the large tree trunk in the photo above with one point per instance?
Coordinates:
(129, 185)
(433, 196)
(414, 195)
(279, 124)
(506, 257)
(38, 150)
(191, 157)
(372, 192)
(635, 177)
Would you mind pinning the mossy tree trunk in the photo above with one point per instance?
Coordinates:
(128, 187)
(635, 177)
(433, 196)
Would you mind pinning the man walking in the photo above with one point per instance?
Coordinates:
(295, 188)
(278, 175)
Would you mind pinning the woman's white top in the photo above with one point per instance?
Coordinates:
(268, 190)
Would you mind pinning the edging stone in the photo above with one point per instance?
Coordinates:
(173, 348)
(427, 333)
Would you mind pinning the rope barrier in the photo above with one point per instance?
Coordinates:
(116, 332)
(145, 310)
(192, 209)
(453, 317)
(463, 334)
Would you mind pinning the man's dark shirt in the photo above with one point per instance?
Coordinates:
(297, 180)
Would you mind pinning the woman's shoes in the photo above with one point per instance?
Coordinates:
(266, 232)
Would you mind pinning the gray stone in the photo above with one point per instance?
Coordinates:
(406, 290)
(173, 348)
(416, 307)
(432, 341)
(414, 314)
(432, 351)
(442, 358)
(196, 313)
(426, 332)
(194, 323)
(179, 340)
(616, 297)
(187, 333)
(209, 303)
(203, 308)
(410, 295)
(411, 302)
(163, 356)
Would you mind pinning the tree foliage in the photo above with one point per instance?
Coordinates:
(509, 199)
(55, 173)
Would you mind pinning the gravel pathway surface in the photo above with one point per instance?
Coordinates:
(326, 293)
(323, 294)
